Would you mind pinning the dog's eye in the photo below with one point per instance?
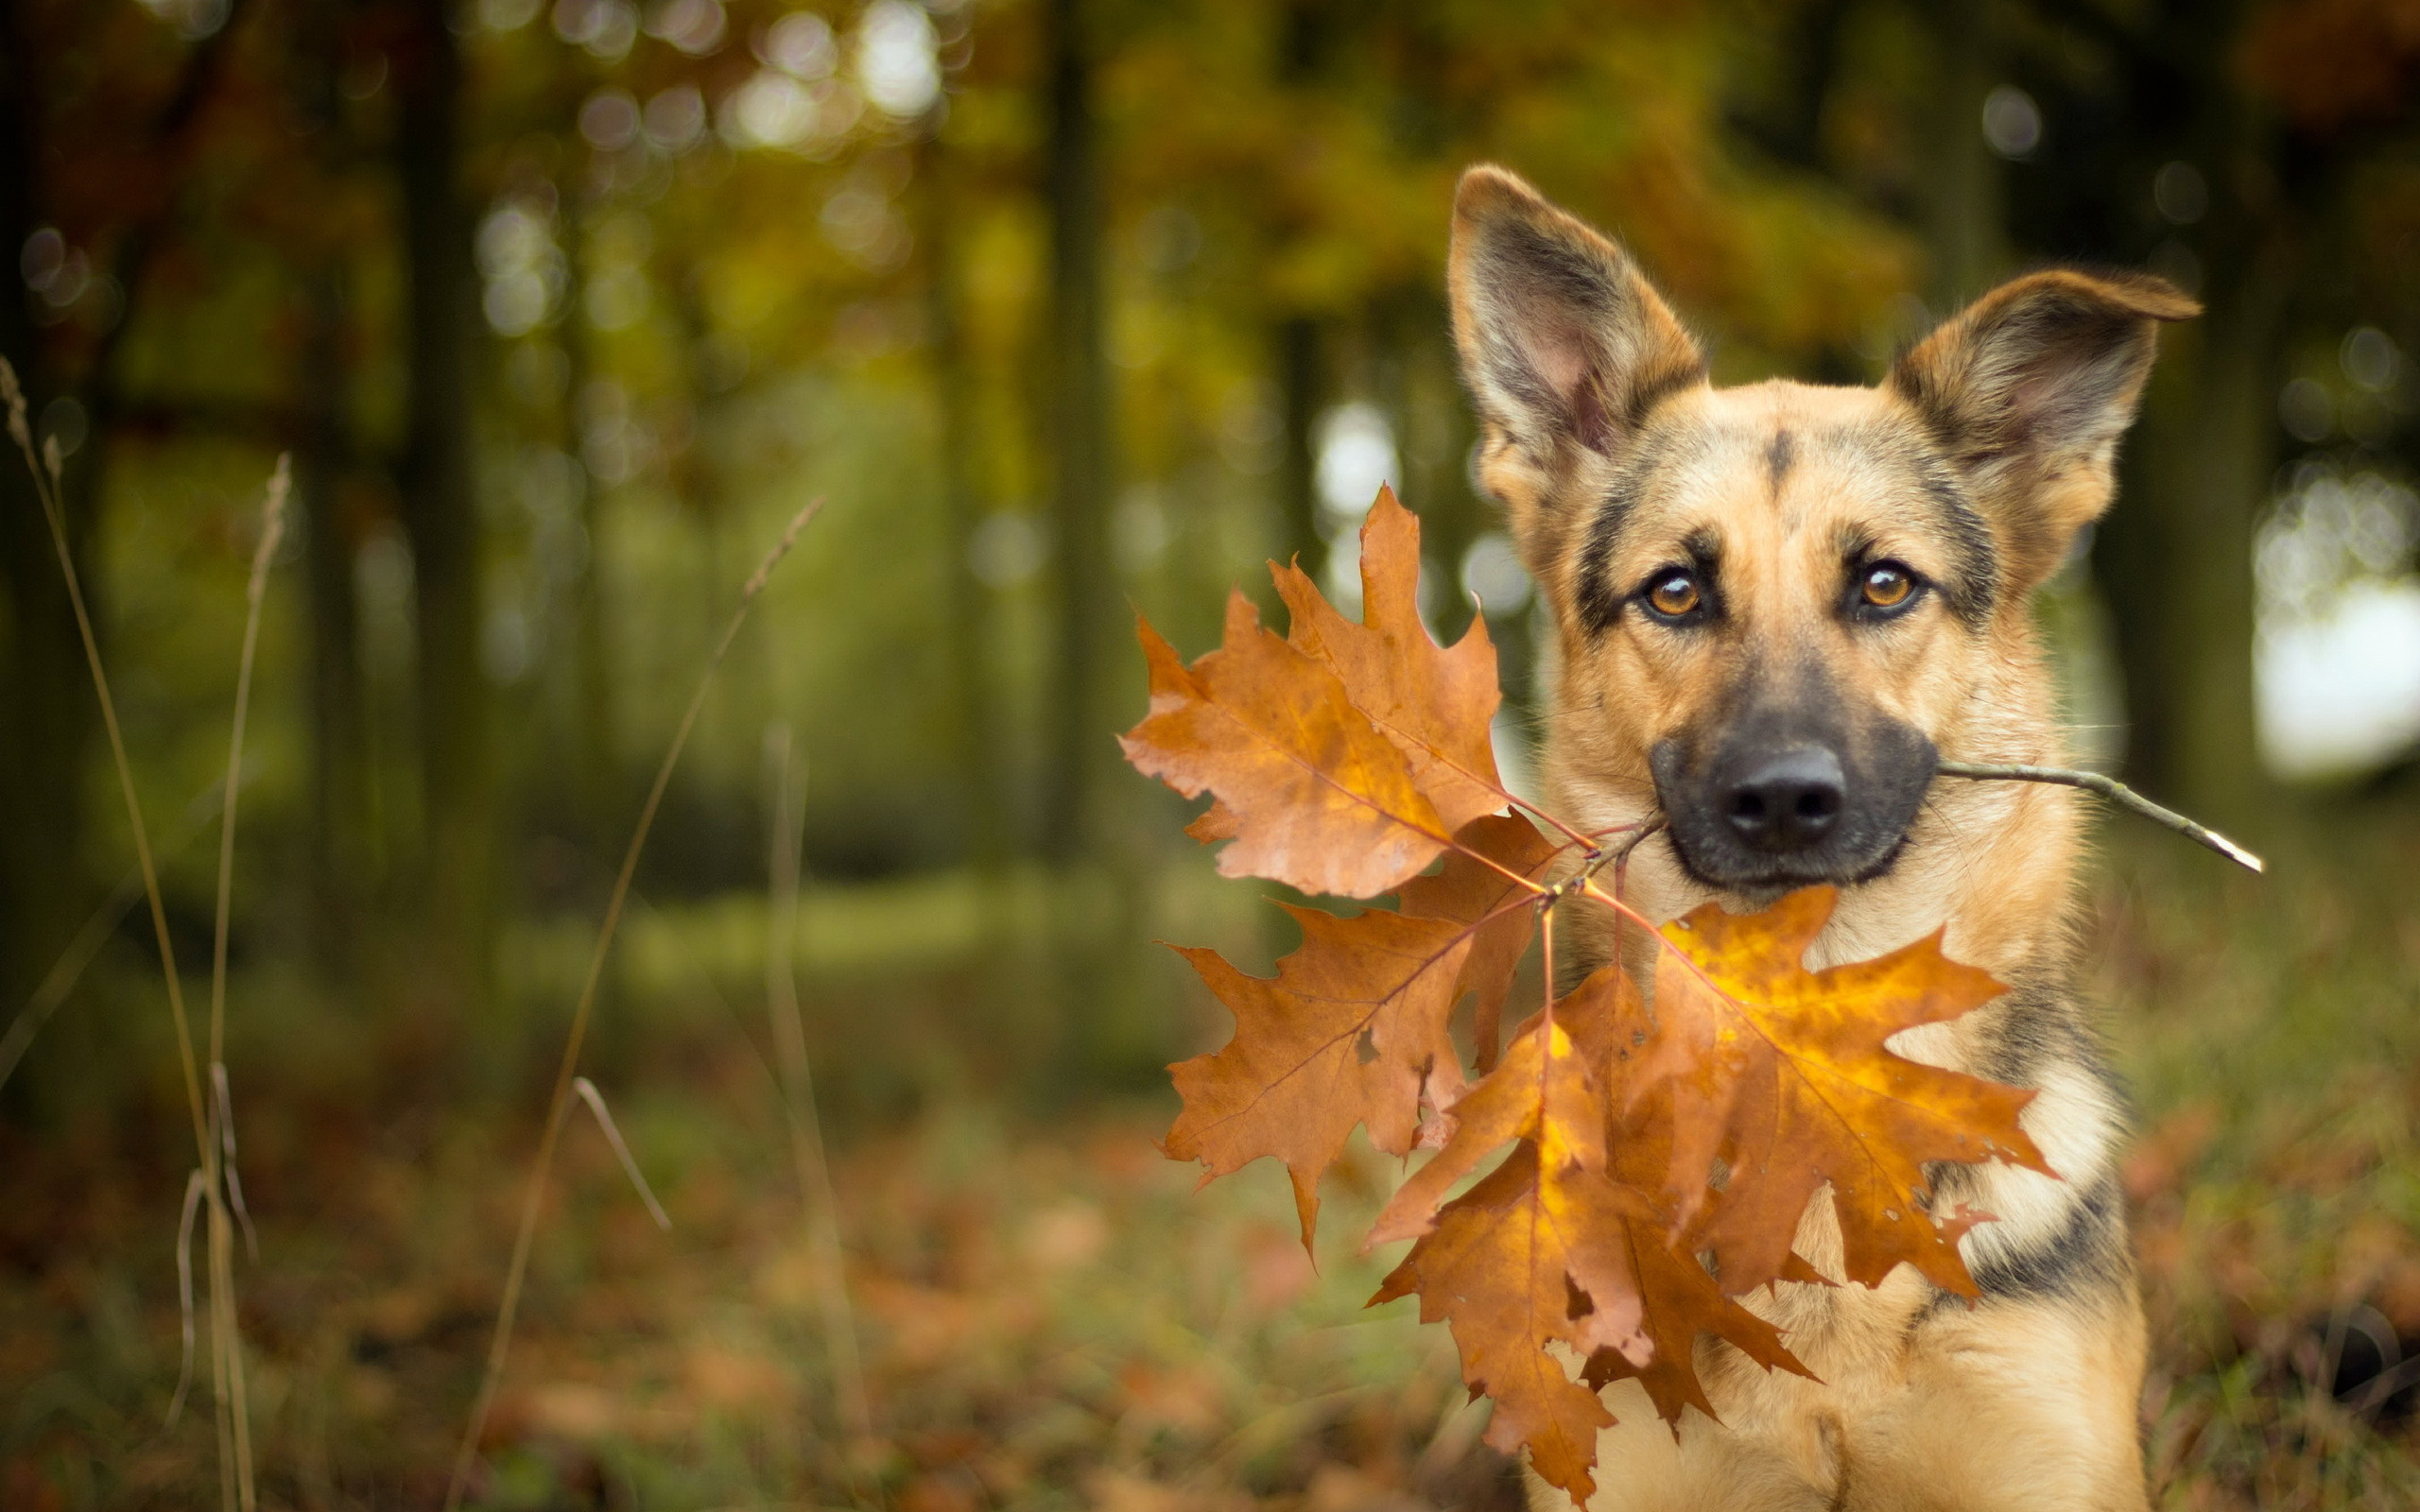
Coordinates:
(1674, 594)
(1887, 585)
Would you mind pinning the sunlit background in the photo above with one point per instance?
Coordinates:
(1064, 309)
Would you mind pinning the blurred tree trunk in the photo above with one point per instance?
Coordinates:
(340, 848)
(47, 729)
(1295, 354)
(1080, 435)
(592, 656)
(440, 514)
(1966, 212)
(2175, 558)
(965, 596)
(1305, 30)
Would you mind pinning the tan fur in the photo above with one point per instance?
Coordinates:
(2019, 1401)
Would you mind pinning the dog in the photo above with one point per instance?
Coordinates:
(1778, 608)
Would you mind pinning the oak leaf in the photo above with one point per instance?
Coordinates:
(1495, 856)
(1314, 795)
(1781, 1075)
(1348, 1032)
(1565, 1243)
(1517, 1263)
(1437, 705)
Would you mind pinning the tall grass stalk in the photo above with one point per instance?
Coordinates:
(788, 822)
(559, 1105)
(227, 1360)
(235, 1466)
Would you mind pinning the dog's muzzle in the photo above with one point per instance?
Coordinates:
(1778, 808)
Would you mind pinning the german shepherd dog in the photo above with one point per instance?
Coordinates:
(1778, 608)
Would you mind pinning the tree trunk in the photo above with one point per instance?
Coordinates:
(440, 519)
(341, 848)
(592, 656)
(1295, 354)
(1965, 211)
(2175, 558)
(1080, 423)
(48, 725)
(974, 726)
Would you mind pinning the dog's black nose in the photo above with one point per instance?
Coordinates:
(1785, 800)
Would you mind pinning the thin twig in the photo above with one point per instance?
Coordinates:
(816, 1188)
(2116, 792)
(500, 1344)
(596, 1101)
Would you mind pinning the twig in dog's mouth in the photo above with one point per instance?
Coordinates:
(2116, 792)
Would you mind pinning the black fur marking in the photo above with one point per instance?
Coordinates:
(1974, 577)
(1600, 599)
(1779, 453)
(2086, 1255)
(2036, 1026)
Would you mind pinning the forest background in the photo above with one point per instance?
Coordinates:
(1066, 308)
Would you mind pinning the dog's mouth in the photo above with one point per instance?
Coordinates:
(1777, 816)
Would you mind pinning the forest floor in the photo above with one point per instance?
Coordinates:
(1050, 1315)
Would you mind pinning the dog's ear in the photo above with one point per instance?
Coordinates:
(1564, 345)
(2028, 388)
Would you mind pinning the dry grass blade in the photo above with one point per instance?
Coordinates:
(255, 592)
(500, 1344)
(184, 1294)
(236, 1476)
(822, 1202)
(596, 1101)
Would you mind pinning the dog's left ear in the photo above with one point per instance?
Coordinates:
(2028, 389)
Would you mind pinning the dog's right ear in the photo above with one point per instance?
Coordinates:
(1563, 342)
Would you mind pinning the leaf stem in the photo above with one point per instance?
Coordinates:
(2116, 792)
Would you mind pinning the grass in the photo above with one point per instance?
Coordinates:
(1052, 1316)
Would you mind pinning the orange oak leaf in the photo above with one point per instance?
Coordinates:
(1587, 1239)
(1349, 1031)
(1470, 1275)
(1316, 796)
(1469, 891)
(1492, 1269)
(1780, 1073)
(1436, 704)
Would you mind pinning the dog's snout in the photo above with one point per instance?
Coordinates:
(1786, 799)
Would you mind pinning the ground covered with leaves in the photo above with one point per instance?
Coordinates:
(1052, 1316)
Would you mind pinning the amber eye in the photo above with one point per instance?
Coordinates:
(1674, 594)
(1887, 586)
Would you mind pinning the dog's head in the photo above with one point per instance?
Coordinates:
(1773, 601)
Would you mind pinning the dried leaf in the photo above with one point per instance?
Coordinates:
(1437, 705)
(1469, 890)
(1318, 798)
(1346, 1033)
(1780, 1073)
